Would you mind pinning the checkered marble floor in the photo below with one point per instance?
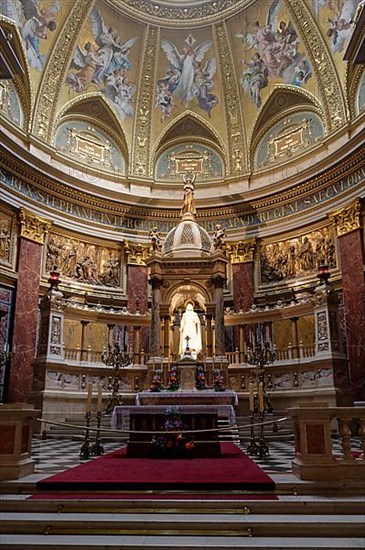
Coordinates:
(56, 455)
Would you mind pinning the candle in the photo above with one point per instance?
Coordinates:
(100, 399)
(89, 397)
(251, 399)
(261, 397)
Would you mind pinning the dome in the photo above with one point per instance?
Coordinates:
(187, 239)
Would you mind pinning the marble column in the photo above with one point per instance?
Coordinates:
(83, 340)
(295, 338)
(243, 284)
(30, 247)
(348, 223)
(137, 286)
(156, 319)
(209, 318)
(219, 317)
(166, 335)
(136, 344)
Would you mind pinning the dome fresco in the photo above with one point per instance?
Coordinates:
(221, 76)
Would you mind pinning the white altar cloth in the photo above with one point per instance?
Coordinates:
(121, 414)
(201, 397)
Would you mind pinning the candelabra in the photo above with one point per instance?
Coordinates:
(260, 403)
(85, 451)
(118, 359)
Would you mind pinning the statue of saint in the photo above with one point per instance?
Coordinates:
(189, 201)
(190, 326)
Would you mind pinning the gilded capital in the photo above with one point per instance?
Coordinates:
(347, 219)
(242, 251)
(33, 227)
(137, 253)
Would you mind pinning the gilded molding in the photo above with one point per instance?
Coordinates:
(347, 219)
(353, 77)
(32, 227)
(51, 85)
(322, 62)
(136, 253)
(21, 82)
(141, 163)
(232, 104)
(241, 252)
(205, 13)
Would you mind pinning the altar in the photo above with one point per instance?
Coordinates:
(194, 397)
(146, 425)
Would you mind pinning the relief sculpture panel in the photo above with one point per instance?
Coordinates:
(7, 236)
(83, 261)
(297, 257)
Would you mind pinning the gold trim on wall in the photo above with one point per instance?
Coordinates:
(32, 227)
(347, 219)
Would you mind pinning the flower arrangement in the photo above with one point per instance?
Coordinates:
(173, 380)
(174, 443)
(218, 381)
(156, 384)
(200, 380)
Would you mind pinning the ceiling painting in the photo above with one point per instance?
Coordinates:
(39, 22)
(105, 61)
(268, 50)
(334, 18)
(187, 77)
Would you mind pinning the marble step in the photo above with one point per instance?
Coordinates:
(264, 525)
(166, 542)
(287, 505)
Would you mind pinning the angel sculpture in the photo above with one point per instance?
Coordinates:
(34, 23)
(187, 63)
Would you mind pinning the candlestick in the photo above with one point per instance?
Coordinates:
(251, 399)
(99, 407)
(261, 397)
(89, 397)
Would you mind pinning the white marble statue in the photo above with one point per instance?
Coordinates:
(190, 326)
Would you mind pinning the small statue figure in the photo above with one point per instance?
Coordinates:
(219, 237)
(189, 201)
(155, 239)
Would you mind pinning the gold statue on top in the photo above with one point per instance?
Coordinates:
(188, 206)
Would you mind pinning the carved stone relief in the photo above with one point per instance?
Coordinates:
(83, 261)
(6, 225)
(297, 257)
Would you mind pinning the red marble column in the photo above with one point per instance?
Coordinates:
(352, 260)
(243, 290)
(138, 297)
(243, 285)
(25, 321)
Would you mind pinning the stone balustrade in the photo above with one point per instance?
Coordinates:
(324, 438)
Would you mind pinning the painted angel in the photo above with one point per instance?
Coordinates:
(34, 23)
(112, 52)
(85, 60)
(186, 63)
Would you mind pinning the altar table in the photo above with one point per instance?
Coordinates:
(144, 423)
(196, 397)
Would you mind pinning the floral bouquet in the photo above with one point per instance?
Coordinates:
(200, 380)
(173, 381)
(218, 381)
(156, 384)
(173, 442)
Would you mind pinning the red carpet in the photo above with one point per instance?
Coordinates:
(233, 470)
(218, 497)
